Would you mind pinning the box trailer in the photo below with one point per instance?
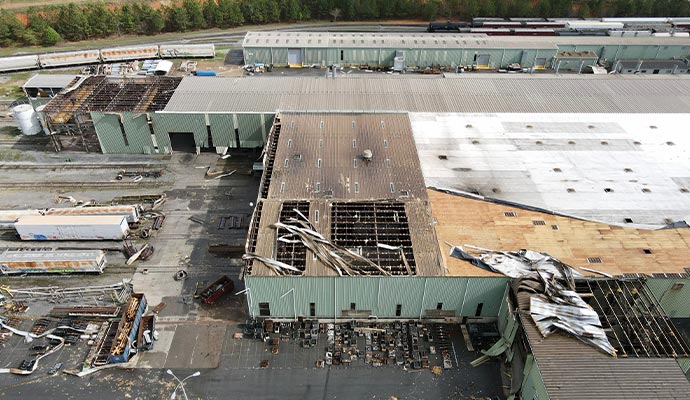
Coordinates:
(131, 212)
(9, 217)
(51, 262)
(63, 227)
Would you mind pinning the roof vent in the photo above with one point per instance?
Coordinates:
(367, 155)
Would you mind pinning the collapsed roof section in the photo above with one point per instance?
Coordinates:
(342, 194)
(103, 93)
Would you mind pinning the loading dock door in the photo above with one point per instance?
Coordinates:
(540, 63)
(182, 142)
(295, 57)
(483, 60)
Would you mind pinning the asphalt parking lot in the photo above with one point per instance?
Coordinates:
(192, 336)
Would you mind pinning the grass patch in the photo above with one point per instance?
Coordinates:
(15, 155)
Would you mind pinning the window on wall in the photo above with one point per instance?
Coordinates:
(398, 310)
(264, 310)
(353, 306)
(312, 309)
(439, 306)
(342, 55)
(478, 311)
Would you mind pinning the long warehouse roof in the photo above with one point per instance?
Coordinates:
(441, 41)
(622, 169)
(470, 93)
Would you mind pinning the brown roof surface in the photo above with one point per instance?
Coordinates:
(462, 220)
(573, 370)
(337, 140)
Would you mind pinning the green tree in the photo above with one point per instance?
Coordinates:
(150, 21)
(11, 29)
(176, 19)
(72, 23)
(194, 14)
(212, 14)
(231, 13)
(127, 20)
(584, 11)
(102, 21)
(50, 37)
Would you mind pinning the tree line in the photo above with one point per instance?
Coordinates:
(71, 22)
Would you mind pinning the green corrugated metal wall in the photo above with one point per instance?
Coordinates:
(381, 295)
(222, 130)
(676, 302)
(533, 385)
(428, 56)
(195, 124)
(111, 137)
(684, 364)
(250, 129)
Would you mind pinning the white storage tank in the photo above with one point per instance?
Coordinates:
(27, 120)
(61, 227)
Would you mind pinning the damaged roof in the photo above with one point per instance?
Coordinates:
(350, 183)
(573, 370)
(610, 249)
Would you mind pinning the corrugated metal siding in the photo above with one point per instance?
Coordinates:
(450, 292)
(109, 133)
(280, 56)
(222, 130)
(532, 385)
(111, 137)
(316, 56)
(684, 364)
(361, 291)
(573, 370)
(488, 291)
(676, 303)
(138, 132)
(250, 129)
(485, 93)
(163, 124)
(381, 295)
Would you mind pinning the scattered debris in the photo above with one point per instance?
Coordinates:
(344, 261)
(181, 275)
(158, 308)
(198, 220)
(217, 289)
(554, 303)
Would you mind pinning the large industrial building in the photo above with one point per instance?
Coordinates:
(298, 49)
(369, 182)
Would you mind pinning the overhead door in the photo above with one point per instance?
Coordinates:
(483, 60)
(295, 57)
(540, 63)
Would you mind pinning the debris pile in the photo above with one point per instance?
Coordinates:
(300, 231)
(554, 303)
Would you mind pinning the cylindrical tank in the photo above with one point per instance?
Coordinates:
(26, 119)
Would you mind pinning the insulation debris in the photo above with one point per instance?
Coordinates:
(554, 303)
